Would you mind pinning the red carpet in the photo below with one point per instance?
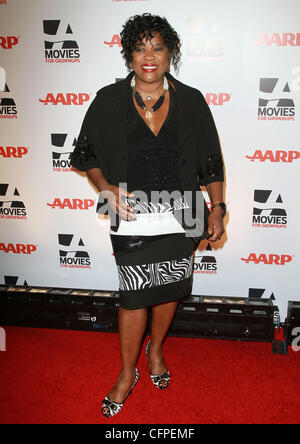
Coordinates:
(60, 377)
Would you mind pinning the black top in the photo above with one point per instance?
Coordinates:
(102, 142)
(153, 161)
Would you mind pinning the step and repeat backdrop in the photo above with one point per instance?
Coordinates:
(243, 56)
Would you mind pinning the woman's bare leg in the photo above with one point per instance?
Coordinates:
(132, 325)
(162, 317)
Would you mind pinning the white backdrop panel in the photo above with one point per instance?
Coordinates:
(228, 47)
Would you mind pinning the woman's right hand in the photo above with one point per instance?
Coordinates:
(115, 197)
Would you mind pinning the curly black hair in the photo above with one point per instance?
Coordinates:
(140, 26)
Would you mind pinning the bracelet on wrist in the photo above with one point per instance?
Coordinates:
(221, 205)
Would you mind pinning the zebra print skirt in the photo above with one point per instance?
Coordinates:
(161, 271)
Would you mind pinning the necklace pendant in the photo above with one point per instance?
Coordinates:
(148, 115)
(149, 98)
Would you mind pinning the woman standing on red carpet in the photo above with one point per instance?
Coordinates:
(147, 143)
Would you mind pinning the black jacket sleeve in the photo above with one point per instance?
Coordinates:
(86, 153)
(212, 167)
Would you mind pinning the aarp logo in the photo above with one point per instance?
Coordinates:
(268, 259)
(275, 156)
(8, 42)
(278, 39)
(115, 41)
(67, 99)
(217, 99)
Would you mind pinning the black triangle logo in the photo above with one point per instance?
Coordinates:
(6, 89)
(279, 199)
(272, 297)
(81, 244)
(286, 88)
(208, 247)
(69, 30)
(16, 192)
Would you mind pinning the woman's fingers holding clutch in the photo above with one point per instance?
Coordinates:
(215, 227)
(124, 210)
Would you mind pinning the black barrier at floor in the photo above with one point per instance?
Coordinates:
(225, 318)
(243, 319)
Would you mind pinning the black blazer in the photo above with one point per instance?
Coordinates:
(102, 140)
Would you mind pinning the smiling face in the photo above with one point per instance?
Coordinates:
(150, 59)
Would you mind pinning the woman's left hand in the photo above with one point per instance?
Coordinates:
(215, 224)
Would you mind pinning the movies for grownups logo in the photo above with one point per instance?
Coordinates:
(72, 252)
(14, 280)
(205, 263)
(275, 102)
(261, 293)
(268, 210)
(11, 204)
(60, 46)
(8, 109)
(203, 40)
(62, 148)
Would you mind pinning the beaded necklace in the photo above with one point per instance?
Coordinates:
(141, 102)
